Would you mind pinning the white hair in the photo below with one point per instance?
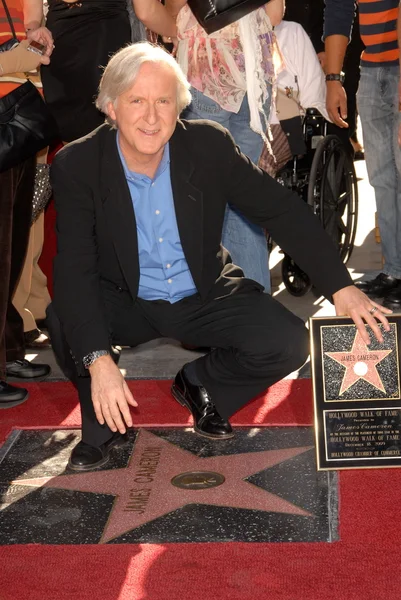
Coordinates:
(122, 70)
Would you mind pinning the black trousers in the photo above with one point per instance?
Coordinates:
(255, 341)
(16, 191)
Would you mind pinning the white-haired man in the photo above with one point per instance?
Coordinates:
(140, 208)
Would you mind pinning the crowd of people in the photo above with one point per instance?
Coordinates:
(161, 212)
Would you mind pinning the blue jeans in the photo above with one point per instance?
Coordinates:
(245, 241)
(378, 108)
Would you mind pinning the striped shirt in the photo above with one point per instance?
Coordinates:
(378, 26)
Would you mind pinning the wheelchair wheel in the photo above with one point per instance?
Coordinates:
(295, 280)
(333, 193)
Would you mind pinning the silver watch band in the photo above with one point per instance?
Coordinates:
(90, 358)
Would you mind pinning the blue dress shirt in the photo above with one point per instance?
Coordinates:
(164, 272)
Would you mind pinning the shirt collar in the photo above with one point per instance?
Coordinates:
(137, 177)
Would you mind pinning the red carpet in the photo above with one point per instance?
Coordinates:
(288, 402)
(364, 565)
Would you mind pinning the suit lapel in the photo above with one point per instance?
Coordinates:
(188, 203)
(119, 212)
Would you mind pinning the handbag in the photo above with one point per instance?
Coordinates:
(9, 45)
(26, 124)
(216, 14)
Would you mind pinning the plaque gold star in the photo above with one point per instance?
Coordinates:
(144, 490)
(360, 363)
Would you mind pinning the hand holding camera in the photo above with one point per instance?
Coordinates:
(42, 36)
(22, 58)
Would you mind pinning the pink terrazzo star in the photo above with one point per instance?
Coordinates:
(143, 490)
(360, 363)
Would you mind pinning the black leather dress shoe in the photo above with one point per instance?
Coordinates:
(207, 421)
(85, 457)
(23, 370)
(393, 299)
(378, 287)
(11, 395)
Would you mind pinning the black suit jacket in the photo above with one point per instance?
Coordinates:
(96, 228)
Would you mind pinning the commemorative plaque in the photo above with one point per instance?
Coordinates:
(357, 395)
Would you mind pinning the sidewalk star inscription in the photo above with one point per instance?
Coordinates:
(144, 490)
(360, 363)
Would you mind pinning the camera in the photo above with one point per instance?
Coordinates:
(36, 48)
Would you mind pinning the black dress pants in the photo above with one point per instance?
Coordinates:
(16, 191)
(255, 340)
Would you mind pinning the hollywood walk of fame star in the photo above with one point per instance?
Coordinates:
(360, 363)
(143, 490)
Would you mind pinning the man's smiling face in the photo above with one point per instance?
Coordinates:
(146, 114)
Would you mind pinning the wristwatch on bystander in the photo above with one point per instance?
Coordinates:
(336, 77)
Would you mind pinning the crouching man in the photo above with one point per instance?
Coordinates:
(140, 207)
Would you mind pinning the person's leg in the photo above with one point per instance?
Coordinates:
(39, 297)
(23, 289)
(245, 241)
(256, 342)
(127, 326)
(378, 110)
(9, 395)
(6, 220)
(21, 222)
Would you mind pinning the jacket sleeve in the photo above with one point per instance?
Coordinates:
(338, 17)
(77, 298)
(288, 219)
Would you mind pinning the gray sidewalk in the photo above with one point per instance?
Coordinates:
(161, 359)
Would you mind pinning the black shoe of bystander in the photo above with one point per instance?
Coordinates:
(23, 370)
(393, 299)
(379, 287)
(11, 396)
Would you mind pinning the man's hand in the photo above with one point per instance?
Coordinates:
(43, 36)
(351, 302)
(336, 103)
(110, 395)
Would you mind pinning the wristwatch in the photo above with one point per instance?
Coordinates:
(90, 358)
(336, 77)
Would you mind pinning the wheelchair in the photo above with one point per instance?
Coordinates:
(325, 179)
